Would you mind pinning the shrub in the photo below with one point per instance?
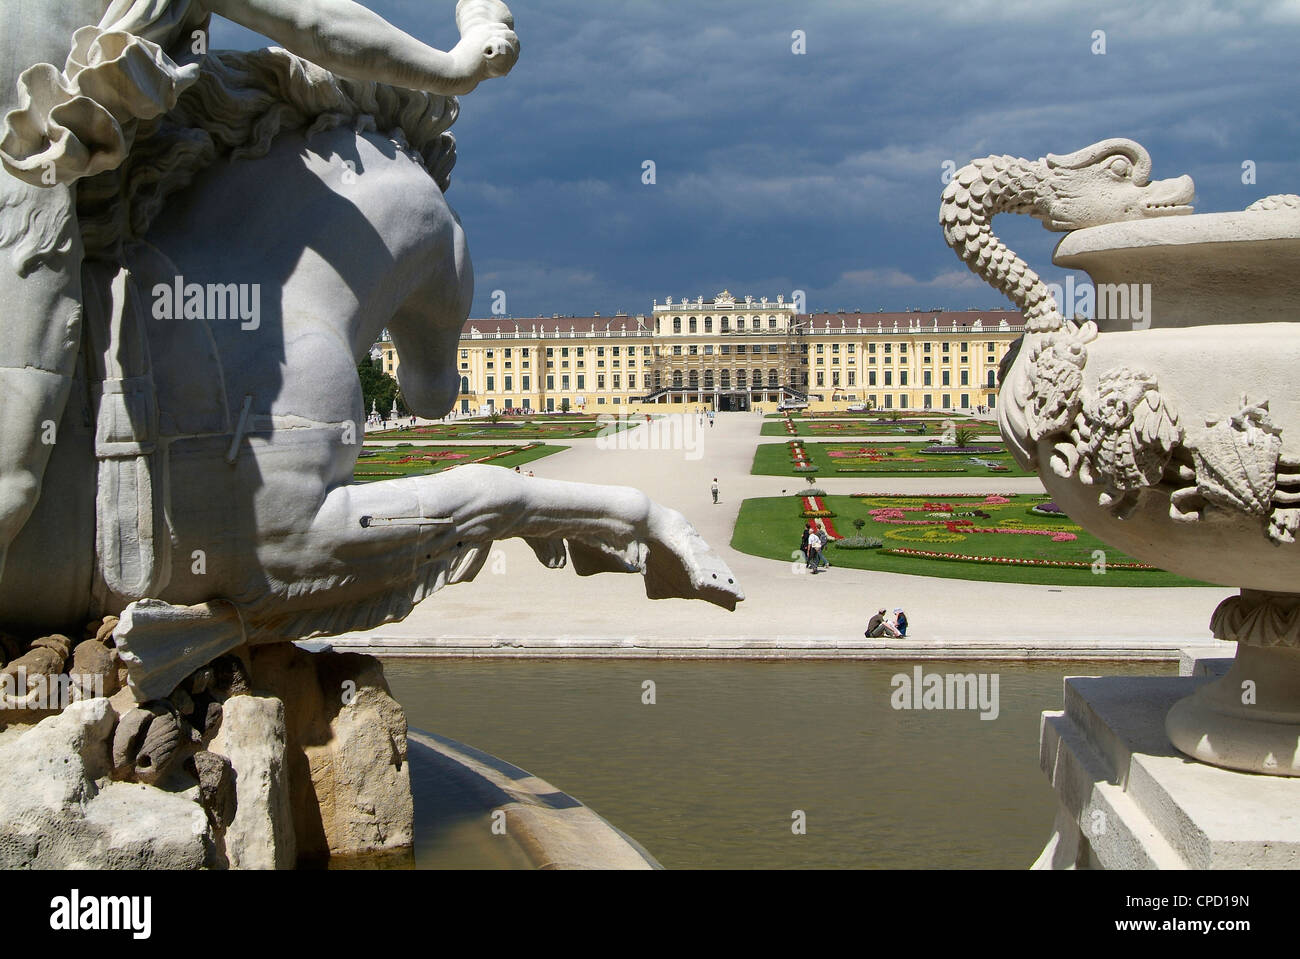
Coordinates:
(811, 491)
(858, 542)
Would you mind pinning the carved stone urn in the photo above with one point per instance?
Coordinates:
(1169, 426)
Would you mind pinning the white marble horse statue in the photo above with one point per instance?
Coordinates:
(239, 259)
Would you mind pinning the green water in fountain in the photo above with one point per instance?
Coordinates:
(711, 775)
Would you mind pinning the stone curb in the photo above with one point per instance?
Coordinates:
(551, 829)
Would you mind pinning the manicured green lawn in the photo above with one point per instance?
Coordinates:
(883, 459)
(829, 429)
(771, 527)
(512, 429)
(392, 462)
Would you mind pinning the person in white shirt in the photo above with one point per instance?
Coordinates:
(815, 558)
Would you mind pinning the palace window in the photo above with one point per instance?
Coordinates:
(677, 324)
(693, 324)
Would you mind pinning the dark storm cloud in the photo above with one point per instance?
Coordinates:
(822, 171)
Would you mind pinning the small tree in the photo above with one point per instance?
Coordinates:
(964, 436)
(494, 416)
(859, 523)
(564, 405)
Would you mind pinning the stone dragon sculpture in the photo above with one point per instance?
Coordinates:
(1103, 183)
(1124, 436)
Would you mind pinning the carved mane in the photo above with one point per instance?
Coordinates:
(241, 102)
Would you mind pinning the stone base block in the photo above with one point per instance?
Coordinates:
(1130, 800)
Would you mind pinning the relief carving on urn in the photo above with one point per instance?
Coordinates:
(1169, 435)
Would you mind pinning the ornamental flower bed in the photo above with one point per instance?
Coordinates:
(813, 507)
(961, 450)
(414, 462)
(1011, 560)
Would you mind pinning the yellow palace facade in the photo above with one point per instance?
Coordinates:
(731, 354)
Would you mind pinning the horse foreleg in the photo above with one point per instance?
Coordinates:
(379, 534)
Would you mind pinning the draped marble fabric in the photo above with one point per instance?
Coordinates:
(80, 120)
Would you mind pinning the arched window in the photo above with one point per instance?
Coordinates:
(677, 324)
(694, 377)
(464, 384)
(771, 322)
(659, 380)
(741, 378)
(708, 379)
(725, 377)
(755, 324)
(992, 378)
(677, 379)
(693, 325)
(726, 324)
(708, 324)
(756, 378)
(771, 378)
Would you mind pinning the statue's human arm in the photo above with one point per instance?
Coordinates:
(350, 40)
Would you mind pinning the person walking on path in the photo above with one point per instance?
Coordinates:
(714, 488)
(803, 542)
(815, 558)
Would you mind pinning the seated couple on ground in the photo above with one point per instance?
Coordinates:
(883, 625)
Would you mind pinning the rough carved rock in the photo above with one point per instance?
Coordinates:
(217, 792)
(55, 815)
(163, 738)
(347, 743)
(252, 738)
(94, 670)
